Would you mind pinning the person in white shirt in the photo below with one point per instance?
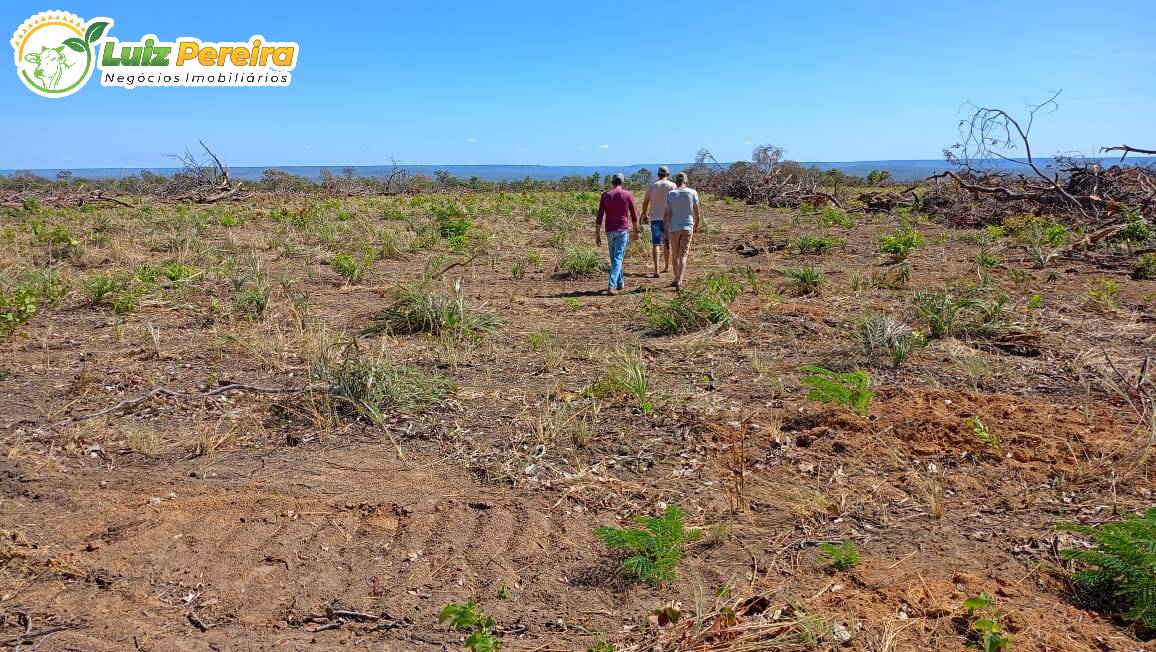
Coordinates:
(682, 219)
(653, 210)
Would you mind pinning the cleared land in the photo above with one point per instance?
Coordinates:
(248, 518)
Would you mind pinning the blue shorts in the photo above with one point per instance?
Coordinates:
(656, 233)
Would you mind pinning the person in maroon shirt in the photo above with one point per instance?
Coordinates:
(615, 206)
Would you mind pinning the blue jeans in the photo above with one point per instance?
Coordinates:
(617, 241)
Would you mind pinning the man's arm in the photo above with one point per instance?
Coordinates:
(646, 207)
(598, 219)
(697, 215)
(633, 215)
(666, 223)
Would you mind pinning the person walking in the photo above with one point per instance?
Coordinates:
(615, 206)
(653, 211)
(681, 219)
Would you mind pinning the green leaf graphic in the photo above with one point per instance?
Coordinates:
(76, 44)
(95, 31)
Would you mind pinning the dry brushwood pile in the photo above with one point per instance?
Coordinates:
(299, 421)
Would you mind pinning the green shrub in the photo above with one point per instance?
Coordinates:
(1041, 237)
(656, 548)
(804, 280)
(900, 243)
(1144, 267)
(702, 302)
(581, 260)
(252, 300)
(1136, 230)
(832, 216)
(95, 288)
(1121, 565)
(842, 556)
(847, 389)
(17, 306)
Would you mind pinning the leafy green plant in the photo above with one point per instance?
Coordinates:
(899, 243)
(832, 216)
(848, 389)
(1121, 565)
(656, 548)
(701, 303)
(1035, 302)
(984, 434)
(1041, 237)
(17, 306)
(252, 300)
(1136, 230)
(879, 333)
(842, 556)
(987, 628)
(803, 280)
(469, 617)
(1106, 294)
(1144, 267)
(580, 260)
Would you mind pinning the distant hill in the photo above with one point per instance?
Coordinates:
(901, 170)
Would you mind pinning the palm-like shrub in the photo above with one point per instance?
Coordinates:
(655, 548)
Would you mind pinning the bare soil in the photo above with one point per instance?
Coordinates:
(252, 521)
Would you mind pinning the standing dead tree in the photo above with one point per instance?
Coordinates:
(201, 182)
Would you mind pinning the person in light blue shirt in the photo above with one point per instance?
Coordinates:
(681, 220)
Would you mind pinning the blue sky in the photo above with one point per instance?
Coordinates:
(602, 83)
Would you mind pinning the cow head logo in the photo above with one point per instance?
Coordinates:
(55, 51)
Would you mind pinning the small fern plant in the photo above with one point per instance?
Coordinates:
(1121, 565)
(842, 556)
(848, 389)
(655, 548)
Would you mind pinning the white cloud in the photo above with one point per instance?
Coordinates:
(747, 142)
(604, 147)
(471, 140)
(581, 148)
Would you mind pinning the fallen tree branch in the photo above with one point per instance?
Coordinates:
(165, 391)
(1127, 149)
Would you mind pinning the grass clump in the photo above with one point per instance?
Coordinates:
(580, 260)
(1120, 567)
(804, 280)
(418, 308)
(627, 373)
(984, 434)
(370, 384)
(899, 244)
(701, 303)
(806, 244)
(847, 389)
(1042, 238)
(842, 556)
(469, 617)
(353, 270)
(941, 309)
(656, 548)
(879, 334)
